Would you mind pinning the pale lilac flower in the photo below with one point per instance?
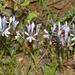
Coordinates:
(66, 29)
(13, 21)
(59, 29)
(30, 31)
(63, 31)
(4, 29)
(3, 23)
(46, 35)
(38, 28)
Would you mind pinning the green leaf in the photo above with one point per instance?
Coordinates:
(49, 70)
(16, 71)
(1, 7)
(16, 7)
(25, 3)
(6, 60)
(33, 57)
(31, 15)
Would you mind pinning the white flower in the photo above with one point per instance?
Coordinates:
(17, 35)
(30, 31)
(4, 29)
(30, 38)
(73, 39)
(46, 35)
(66, 29)
(63, 31)
(13, 21)
(71, 34)
(6, 32)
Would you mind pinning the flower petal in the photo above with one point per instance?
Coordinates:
(35, 34)
(17, 35)
(32, 27)
(38, 28)
(45, 31)
(28, 28)
(73, 39)
(26, 33)
(71, 34)
(4, 23)
(30, 38)
(15, 24)
(33, 38)
(10, 20)
(0, 24)
(6, 32)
